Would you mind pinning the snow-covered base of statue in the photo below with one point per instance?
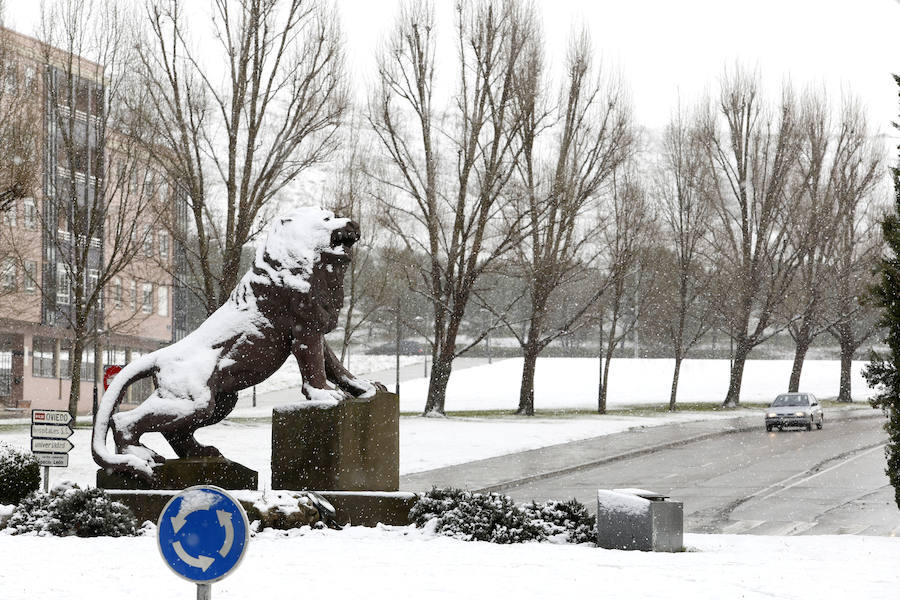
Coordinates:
(391, 562)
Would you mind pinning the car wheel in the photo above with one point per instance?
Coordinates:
(809, 425)
(768, 428)
(820, 423)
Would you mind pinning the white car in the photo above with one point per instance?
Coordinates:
(796, 409)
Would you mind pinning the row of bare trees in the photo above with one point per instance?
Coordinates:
(527, 193)
(752, 218)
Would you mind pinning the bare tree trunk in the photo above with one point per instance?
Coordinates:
(741, 351)
(674, 394)
(803, 341)
(437, 384)
(526, 392)
(75, 373)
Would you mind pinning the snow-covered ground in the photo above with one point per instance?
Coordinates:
(391, 563)
(400, 562)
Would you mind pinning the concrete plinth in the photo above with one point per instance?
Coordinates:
(350, 446)
(635, 521)
(176, 474)
(357, 508)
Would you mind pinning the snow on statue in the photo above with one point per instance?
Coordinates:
(283, 305)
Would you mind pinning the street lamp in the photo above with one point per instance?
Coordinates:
(487, 338)
(421, 320)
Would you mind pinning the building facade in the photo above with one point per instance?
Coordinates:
(137, 311)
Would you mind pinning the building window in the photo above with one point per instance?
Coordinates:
(62, 284)
(30, 276)
(148, 242)
(93, 277)
(8, 275)
(9, 215)
(163, 245)
(117, 292)
(147, 298)
(30, 214)
(12, 79)
(44, 357)
(115, 355)
(162, 296)
(30, 74)
(132, 295)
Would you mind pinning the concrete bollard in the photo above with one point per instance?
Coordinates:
(632, 519)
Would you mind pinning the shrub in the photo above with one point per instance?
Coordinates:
(73, 511)
(20, 474)
(570, 518)
(496, 518)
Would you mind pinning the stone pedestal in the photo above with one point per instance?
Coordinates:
(350, 446)
(177, 474)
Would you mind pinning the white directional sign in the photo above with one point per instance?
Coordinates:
(52, 460)
(55, 432)
(59, 417)
(57, 446)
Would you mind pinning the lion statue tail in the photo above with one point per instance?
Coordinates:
(133, 371)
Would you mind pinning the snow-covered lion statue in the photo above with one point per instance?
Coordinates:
(284, 305)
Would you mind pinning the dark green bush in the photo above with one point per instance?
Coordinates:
(73, 511)
(496, 518)
(20, 474)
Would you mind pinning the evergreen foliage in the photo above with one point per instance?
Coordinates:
(73, 511)
(884, 371)
(496, 518)
(20, 474)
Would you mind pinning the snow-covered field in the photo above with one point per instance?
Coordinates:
(393, 563)
(573, 382)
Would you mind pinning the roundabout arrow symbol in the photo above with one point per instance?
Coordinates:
(203, 562)
(225, 521)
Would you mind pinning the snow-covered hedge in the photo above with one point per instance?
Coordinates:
(20, 474)
(70, 510)
(496, 518)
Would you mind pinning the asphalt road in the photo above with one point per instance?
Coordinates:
(779, 483)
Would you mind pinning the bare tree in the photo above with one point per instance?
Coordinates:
(456, 221)
(20, 123)
(99, 185)
(752, 151)
(627, 239)
(591, 135)
(232, 141)
(857, 174)
(684, 187)
(838, 169)
(367, 281)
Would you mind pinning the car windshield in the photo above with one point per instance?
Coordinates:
(791, 400)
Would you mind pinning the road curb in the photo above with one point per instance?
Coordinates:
(505, 485)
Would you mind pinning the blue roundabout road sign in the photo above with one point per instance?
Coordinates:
(203, 533)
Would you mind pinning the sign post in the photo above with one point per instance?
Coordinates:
(203, 534)
(50, 445)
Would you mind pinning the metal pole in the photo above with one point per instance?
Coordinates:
(254, 396)
(204, 591)
(46, 479)
(397, 387)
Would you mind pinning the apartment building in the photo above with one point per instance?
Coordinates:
(138, 306)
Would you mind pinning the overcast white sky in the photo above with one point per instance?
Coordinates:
(671, 48)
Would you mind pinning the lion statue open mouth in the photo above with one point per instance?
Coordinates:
(284, 305)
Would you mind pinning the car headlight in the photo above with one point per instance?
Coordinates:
(771, 415)
(800, 414)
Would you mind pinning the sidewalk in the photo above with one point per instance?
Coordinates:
(503, 472)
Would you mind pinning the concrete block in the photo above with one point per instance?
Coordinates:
(180, 473)
(627, 520)
(350, 446)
